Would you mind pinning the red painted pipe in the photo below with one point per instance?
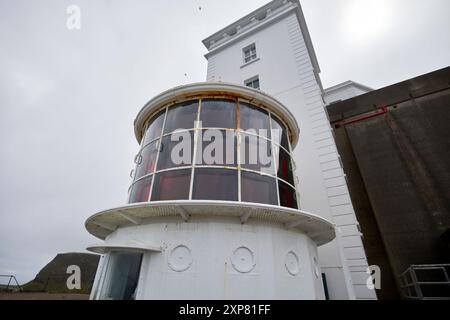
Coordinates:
(379, 112)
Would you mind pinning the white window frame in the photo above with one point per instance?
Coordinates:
(249, 82)
(252, 56)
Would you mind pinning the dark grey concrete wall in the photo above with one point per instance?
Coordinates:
(398, 169)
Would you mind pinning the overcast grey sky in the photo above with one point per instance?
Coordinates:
(68, 98)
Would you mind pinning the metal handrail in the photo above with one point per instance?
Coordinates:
(411, 274)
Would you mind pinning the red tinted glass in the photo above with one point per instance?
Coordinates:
(215, 184)
(281, 138)
(140, 190)
(287, 196)
(172, 185)
(258, 188)
(147, 160)
(284, 166)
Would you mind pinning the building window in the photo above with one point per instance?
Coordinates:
(252, 83)
(249, 53)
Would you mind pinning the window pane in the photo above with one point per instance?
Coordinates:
(288, 197)
(140, 190)
(172, 185)
(284, 166)
(254, 118)
(217, 147)
(147, 160)
(218, 114)
(124, 275)
(215, 184)
(154, 127)
(259, 189)
(256, 154)
(176, 153)
(181, 116)
(279, 133)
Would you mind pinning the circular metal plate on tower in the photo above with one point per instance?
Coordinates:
(243, 260)
(292, 263)
(180, 258)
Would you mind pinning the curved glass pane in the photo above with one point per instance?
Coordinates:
(279, 133)
(122, 276)
(181, 116)
(256, 154)
(253, 160)
(154, 127)
(176, 150)
(217, 113)
(288, 198)
(258, 189)
(217, 147)
(140, 190)
(215, 184)
(284, 165)
(147, 160)
(172, 185)
(253, 118)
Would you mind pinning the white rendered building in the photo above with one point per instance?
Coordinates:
(228, 229)
(271, 49)
(344, 91)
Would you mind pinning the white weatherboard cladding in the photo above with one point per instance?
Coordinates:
(285, 71)
(198, 259)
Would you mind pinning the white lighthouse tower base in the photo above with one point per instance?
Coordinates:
(213, 250)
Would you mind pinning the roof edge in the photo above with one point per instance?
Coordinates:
(346, 84)
(275, 4)
(180, 92)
